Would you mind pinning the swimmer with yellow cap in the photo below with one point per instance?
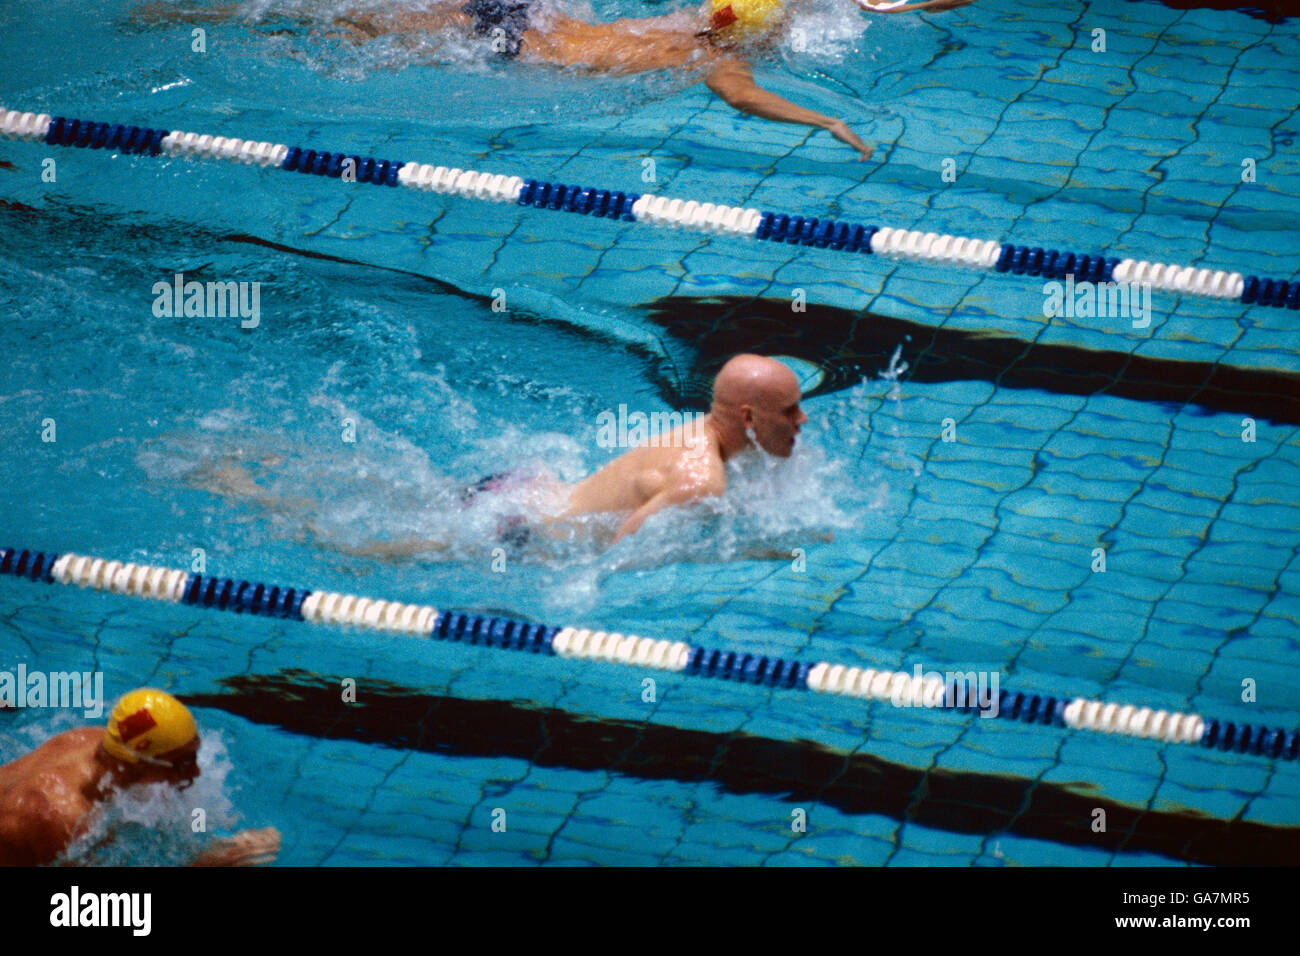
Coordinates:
(711, 42)
(48, 797)
(744, 18)
(733, 26)
(150, 726)
(750, 19)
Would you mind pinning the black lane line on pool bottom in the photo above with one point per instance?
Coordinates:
(847, 345)
(796, 772)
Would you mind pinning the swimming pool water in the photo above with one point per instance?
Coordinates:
(1072, 434)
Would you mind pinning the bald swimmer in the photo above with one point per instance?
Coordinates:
(47, 797)
(755, 405)
(714, 40)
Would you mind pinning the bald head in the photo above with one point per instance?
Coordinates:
(751, 378)
(756, 394)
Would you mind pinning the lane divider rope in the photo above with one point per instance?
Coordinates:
(658, 210)
(323, 607)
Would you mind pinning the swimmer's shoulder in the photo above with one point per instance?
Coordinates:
(59, 749)
(39, 816)
(698, 476)
(60, 770)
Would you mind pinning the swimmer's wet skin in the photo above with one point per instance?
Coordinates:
(47, 797)
(756, 406)
(713, 39)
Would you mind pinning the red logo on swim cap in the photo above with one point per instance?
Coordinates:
(724, 18)
(138, 723)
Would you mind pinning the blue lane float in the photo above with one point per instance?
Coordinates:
(988, 254)
(909, 690)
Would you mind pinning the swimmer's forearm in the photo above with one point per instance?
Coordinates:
(734, 82)
(250, 848)
(669, 496)
(632, 525)
(769, 106)
(911, 7)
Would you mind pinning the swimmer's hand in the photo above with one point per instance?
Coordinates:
(250, 848)
(840, 130)
(935, 6)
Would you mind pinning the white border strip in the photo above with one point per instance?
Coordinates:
(135, 580)
(621, 649)
(393, 617)
(1130, 721)
(871, 684)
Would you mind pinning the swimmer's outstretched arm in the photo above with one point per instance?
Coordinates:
(903, 7)
(388, 550)
(161, 13)
(250, 848)
(734, 82)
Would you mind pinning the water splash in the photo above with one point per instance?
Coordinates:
(894, 373)
(824, 33)
(152, 824)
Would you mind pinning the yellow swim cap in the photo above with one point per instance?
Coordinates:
(148, 723)
(744, 17)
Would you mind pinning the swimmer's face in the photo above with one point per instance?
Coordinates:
(776, 416)
(184, 763)
(179, 767)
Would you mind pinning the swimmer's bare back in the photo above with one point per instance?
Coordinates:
(628, 45)
(685, 466)
(47, 798)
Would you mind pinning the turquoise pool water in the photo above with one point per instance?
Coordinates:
(1071, 434)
